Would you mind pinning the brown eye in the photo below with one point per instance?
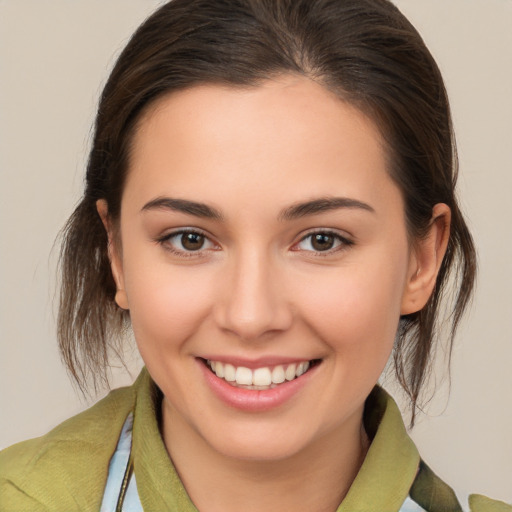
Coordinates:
(322, 241)
(192, 241)
(186, 243)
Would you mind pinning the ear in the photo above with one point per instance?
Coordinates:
(425, 261)
(114, 254)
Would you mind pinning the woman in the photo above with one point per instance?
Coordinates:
(270, 203)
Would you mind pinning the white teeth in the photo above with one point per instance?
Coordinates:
(302, 368)
(243, 376)
(219, 370)
(278, 375)
(260, 378)
(229, 372)
(289, 374)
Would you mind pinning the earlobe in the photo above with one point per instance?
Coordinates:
(114, 255)
(425, 261)
(121, 299)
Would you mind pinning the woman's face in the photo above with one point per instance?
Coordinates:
(260, 231)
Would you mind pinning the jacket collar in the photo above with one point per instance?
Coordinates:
(382, 483)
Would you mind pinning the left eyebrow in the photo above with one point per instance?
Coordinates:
(321, 205)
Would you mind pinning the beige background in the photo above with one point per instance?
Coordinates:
(54, 57)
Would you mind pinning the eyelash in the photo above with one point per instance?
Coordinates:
(343, 243)
(165, 242)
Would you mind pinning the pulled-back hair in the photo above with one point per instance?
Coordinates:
(365, 51)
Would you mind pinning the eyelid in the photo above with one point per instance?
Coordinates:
(345, 242)
(164, 241)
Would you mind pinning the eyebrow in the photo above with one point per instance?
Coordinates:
(320, 205)
(184, 206)
(295, 211)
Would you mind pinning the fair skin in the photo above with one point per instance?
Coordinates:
(254, 288)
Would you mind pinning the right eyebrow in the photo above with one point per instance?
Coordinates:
(183, 206)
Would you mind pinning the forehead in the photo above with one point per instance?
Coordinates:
(289, 134)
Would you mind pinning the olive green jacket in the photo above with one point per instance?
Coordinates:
(66, 469)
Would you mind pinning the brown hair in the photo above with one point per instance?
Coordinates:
(363, 50)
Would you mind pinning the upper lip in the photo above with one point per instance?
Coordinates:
(256, 363)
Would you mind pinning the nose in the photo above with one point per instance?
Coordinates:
(253, 304)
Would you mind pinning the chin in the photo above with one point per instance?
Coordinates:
(260, 444)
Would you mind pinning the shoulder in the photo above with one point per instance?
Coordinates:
(431, 494)
(426, 491)
(66, 468)
(478, 503)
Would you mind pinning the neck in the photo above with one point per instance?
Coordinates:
(315, 479)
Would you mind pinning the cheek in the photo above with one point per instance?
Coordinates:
(167, 303)
(356, 309)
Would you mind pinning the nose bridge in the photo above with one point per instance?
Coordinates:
(254, 302)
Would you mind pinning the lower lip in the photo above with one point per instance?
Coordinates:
(252, 400)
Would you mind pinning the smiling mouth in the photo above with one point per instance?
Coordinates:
(262, 378)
